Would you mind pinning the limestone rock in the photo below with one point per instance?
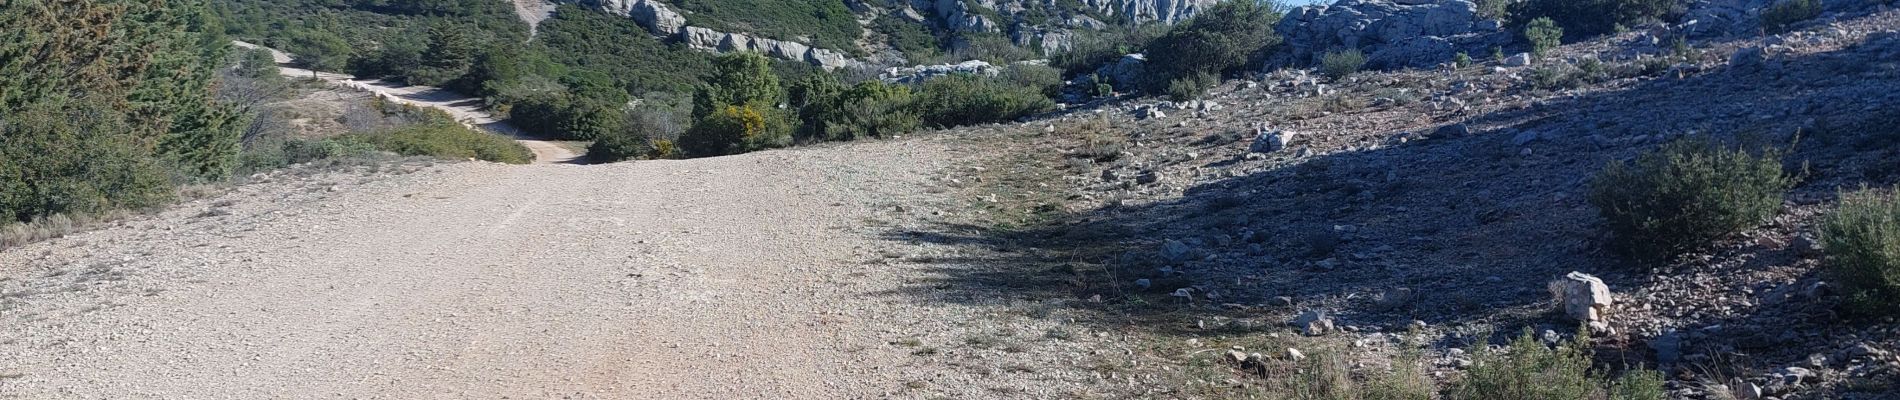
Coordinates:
(1582, 297)
(655, 16)
(1268, 141)
(1411, 33)
(1313, 323)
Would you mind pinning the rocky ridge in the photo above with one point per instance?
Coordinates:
(1392, 34)
(662, 21)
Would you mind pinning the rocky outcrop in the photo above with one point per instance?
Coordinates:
(725, 42)
(1126, 73)
(1414, 33)
(662, 21)
(1712, 18)
(656, 17)
(925, 72)
(1145, 11)
(1723, 17)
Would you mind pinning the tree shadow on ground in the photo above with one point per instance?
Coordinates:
(1471, 227)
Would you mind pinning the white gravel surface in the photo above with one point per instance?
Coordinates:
(731, 277)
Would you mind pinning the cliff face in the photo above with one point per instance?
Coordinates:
(1045, 25)
(661, 20)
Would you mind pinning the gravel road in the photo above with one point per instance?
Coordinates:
(463, 108)
(730, 277)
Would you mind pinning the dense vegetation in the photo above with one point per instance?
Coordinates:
(106, 104)
(1685, 195)
(1862, 241)
(1195, 54)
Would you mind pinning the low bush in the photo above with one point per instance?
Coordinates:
(446, 139)
(1191, 86)
(1340, 64)
(1557, 77)
(1686, 194)
(1531, 370)
(1543, 35)
(277, 152)
(648, 131)
(968, 99)
(1461, 60)
(734, 130)
(1862, 242)
(1782, 16)
(1588, 18)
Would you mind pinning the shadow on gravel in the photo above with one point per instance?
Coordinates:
(1470, 227)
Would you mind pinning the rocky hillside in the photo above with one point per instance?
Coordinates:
(1420, 217)
(947, 25)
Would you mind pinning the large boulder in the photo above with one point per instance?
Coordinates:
(1583, 297)
(1125, 73)
(1410, 33)
(655, 16)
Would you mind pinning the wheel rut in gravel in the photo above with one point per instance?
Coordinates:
(713, 278)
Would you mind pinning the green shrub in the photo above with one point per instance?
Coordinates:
(647, 131)
(1862, 242)
(1093, 49)
(828, 110)
(619, 146)
(1192, 86)
(1556, 77)
(104, 102)
(74, 160)
(448, 140)
(1686, 194)
(1588, 18)
(567, 116)
(1531, 370)
(738, 79)
(1782, 16)
(990, 47)
(1340, 64)
(1544, 35)
(734, 130)
(1226, 37)
(1461, 60)
(967, 99)
(873, 109)
(1494, 9)
(1045, 79)
(913, 39)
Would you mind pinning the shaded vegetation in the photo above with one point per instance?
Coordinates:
(1862, 242)
(1686, 194)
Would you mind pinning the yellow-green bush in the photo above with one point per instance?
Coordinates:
(1862, 243)
(1685, 195)
(734, 130)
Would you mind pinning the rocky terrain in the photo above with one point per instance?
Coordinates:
(1434, 206)
(952, 16)
(1121, 248)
